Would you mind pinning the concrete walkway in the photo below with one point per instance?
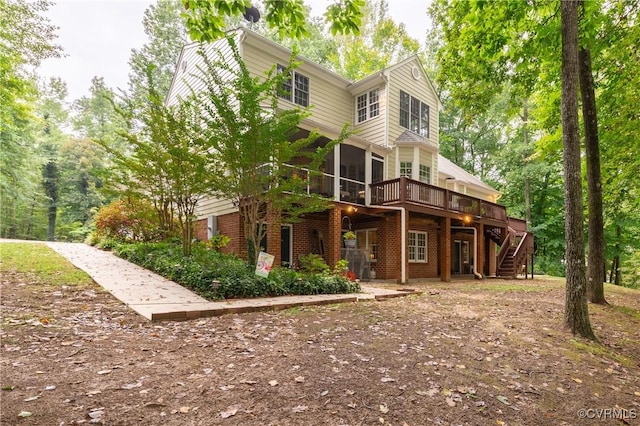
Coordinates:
(157, 298)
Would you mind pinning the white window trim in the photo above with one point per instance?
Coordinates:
(410, 175)
(367, 244)
(420, 120)
(426, 246)
(428, 175)
(367, 105)
(292, 82)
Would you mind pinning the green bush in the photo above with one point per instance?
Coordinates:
(215, 275)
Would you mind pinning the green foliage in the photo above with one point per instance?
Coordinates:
(218, 242)
(349, 235)
(379, 44)
(313, 263)
(216, 275)
(206, 22)
(128, 220)
(249, 144)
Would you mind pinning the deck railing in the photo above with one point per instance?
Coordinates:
(403, 189)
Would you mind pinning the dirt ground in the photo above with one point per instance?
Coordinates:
(465, 353)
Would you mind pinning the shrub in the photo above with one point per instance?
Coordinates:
(130, 220)
(313, 263)
(216, 275)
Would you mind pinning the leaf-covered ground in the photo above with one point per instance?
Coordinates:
(465, 353)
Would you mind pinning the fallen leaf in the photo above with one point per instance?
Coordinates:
(184, 410)
(325, 393)
(387, 380)
(101, 372)
(636, 393)
(503, 399)
(576, 380)
(500, 423)
(32, 398)
(131, 385)
(300, 408)
(67, 343)
(25, 414)
(384, 409)
(352, 405)
(50, 388)
(299, 379)
(230, 411)
(273, 383)
(96, 414)
(154, 405)
(450, 402)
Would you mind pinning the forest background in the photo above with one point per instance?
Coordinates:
(501, 92)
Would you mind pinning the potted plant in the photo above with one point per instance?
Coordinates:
(350, 239)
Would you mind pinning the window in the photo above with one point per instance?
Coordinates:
(377, 168)
(298, 92)
(406, 168)
(417, 246)
(414, 114)
(425, 174)
(367, 239)
(367, 105)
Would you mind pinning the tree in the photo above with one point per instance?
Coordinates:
(165, 162)
(205, 19)
(25, 40)
(380, 42)
(166, 32)
(251, 145)
(576, 316)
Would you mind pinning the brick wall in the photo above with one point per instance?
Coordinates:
(200, 229)
(427, 269)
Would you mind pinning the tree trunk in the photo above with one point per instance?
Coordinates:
(576, 316)
(616, 271)
(527, 181)
(595, 287)
(50, 183)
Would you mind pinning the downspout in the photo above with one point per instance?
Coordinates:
(403, 238)
(476, 274)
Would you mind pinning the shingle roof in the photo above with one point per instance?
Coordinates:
(450, 169)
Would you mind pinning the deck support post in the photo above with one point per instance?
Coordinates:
(445, 249)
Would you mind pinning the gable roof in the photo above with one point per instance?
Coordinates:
(451, 170)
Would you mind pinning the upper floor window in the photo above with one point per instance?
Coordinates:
(367, 105)
(425, 174)
(406, 168)
(295, 88)
(414, 114)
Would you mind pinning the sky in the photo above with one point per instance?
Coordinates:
(97, 37)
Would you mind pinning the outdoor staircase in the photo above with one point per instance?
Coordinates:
(507, 268)
(515, 252)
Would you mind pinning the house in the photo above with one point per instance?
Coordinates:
(415, 214)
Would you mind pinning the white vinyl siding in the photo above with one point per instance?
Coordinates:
(418, 244)
(401, 79)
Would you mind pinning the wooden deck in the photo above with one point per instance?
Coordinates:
(403, 190)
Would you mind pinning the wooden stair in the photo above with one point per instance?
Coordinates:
(507, 267)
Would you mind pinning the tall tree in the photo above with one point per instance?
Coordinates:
(166, 33)
(576, 316)
(380, 43)
(26, 38)
(206, 19)
(251, 148)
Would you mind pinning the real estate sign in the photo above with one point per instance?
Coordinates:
(265, 263)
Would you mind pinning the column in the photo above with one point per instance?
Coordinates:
(333, 241)
(445, 249)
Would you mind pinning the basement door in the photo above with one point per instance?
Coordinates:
(286, 245)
